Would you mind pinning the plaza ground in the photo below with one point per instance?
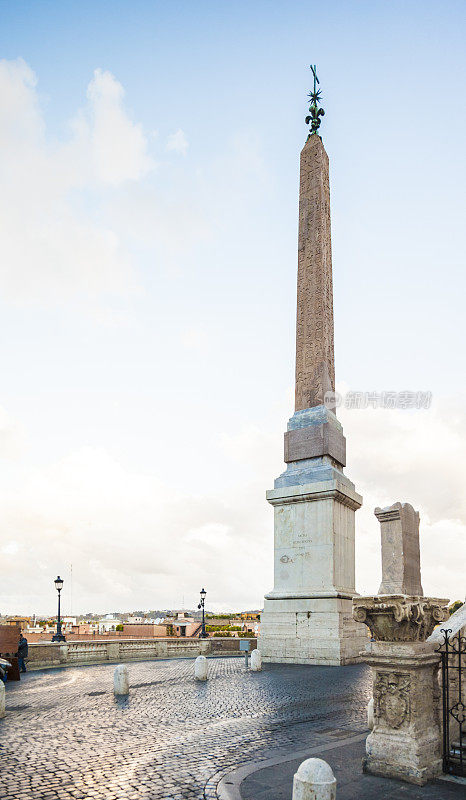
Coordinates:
(275, 782)
(66, 737)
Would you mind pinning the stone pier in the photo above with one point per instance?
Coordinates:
(307, 616)
(405, 742)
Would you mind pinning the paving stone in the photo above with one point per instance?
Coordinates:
(66, 737)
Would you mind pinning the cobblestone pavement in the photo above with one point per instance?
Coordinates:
(66, 737)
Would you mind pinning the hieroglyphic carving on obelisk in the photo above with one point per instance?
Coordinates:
(315, 368)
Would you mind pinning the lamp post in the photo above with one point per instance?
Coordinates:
(58, 636)
(201, 605)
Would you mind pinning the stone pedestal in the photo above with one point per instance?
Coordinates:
(307, 618)
(405, 741)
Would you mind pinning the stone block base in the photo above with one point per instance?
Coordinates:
(420, 777)
(314, 630)
(405, 742)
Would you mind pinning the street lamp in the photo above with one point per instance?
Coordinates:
(58, 636)
(201, 605)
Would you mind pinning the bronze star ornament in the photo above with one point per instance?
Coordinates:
(315, 111)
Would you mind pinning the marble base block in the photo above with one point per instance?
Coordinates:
(318, 630)
(307, 618)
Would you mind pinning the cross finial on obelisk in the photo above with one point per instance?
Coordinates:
(315, 370)
(315, 113)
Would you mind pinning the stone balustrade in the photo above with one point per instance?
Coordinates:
(67, 654)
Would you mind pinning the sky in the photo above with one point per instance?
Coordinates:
(149, 156)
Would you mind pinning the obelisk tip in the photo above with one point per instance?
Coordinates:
(315, 110)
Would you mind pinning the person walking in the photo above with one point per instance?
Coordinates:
(22, 652)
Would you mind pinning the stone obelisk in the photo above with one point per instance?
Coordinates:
(307, 617)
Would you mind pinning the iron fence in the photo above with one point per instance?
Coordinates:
(453, 654)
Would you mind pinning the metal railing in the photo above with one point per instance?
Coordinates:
(453, 655)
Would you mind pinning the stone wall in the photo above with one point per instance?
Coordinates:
(56, 654)
(85, 637)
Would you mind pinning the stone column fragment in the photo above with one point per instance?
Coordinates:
(405, 741)
(401, 561)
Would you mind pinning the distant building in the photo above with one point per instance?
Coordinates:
(85, 628)
(145, 630)
(23, 622)
(183, 625)
(108, 623)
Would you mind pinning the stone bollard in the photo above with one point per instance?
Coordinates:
(370, 714)
(256, 661)
(200, 668)
(121, 679)
(2, 699)
(314, 780)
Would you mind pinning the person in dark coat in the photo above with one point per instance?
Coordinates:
(22, 652)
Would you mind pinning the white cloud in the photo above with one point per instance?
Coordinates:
(414, 457)
(133, 541)
(52, 241)
(212, 534)
(178, 143)
(12, 436)
(80, 214)
(118, 146)
(136, 542)
(20, 116)
(10, 548)
(194, 338)
(398, 453)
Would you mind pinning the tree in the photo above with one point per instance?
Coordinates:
(455, 606)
